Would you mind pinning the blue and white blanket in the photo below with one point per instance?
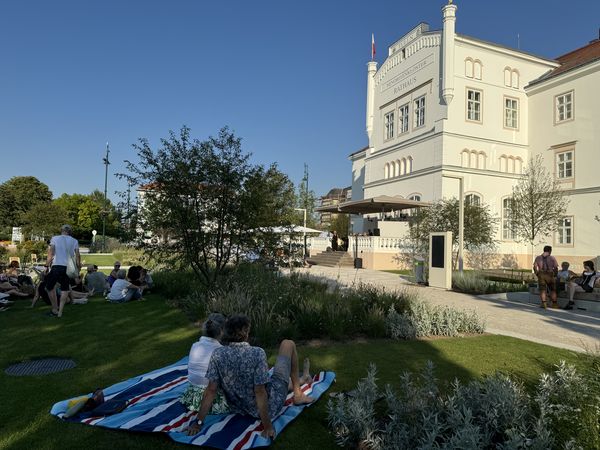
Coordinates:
(154, 407)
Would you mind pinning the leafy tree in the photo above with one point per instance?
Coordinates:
(479, 226)
(204, 202)
(18, 195)
(85, 214)
(44, 220)
(537, 203)
(340, 224)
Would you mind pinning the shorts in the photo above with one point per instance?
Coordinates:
(58, 274)
(546, 280)
(278, 389)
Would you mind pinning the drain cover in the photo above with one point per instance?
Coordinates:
(40, 367)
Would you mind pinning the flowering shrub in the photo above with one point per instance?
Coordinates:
(495, 412)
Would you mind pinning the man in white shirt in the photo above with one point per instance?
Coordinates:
(61, 249)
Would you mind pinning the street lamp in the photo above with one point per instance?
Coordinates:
(303, 231)
(105, 209)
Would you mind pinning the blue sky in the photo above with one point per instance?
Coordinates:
(288, 77)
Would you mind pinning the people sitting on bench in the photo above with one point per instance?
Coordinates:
(583, 284)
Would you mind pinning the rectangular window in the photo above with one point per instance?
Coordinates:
(403, 119)
(564, 164)
(564, 107)
(508, 232)
(565, 231)
(389, 125)
(420, 112)
(511, 113)
(474, 105)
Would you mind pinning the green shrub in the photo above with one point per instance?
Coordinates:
(495, 412)
(3, 253)
(478, 283)
(26, 248)
(297, 307)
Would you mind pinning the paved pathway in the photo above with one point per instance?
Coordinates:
(512, 316)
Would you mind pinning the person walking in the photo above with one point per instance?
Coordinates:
(62, 248)
(545, 267)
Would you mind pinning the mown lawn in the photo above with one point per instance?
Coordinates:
(99, 260)
(111, 343)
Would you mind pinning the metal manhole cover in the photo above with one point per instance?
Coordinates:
(40, 367)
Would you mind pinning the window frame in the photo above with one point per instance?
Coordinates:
(517, 110)
(560, 232)
(468, 102)
(557, 164)
(388, 127)
(422, 110)
(557, 119)
(401, 117)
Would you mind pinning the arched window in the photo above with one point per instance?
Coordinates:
(515, 79)
(403, 166)
(507, 77)
(464, 158)
(511, 164)
(473, 159)
(477, 69)
(481, 160)
(518, 165)
(469, 68)
(409, 163)
(386, 171)
(473, 199)
(503, 165)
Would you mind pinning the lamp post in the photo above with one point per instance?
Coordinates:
(106, 164)
(461, 218)
(303, 231)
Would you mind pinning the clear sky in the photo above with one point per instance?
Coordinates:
(288, 77)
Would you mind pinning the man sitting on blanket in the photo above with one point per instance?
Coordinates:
(241, 372)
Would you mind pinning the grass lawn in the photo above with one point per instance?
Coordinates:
(111, 343)
(99, 260)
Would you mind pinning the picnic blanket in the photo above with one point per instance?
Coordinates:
(153, 406)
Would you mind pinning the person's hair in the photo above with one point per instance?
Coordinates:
(565, 264)
(117, 263)
(236, 328)
(95, 267)
(213, 326)
(121, 274)
(66, 229)
(590, 264)
(548, 248)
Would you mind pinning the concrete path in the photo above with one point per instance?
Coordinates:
(505, 314)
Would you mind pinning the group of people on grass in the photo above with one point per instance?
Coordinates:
(228, 375)
(550, 278)
(57, 288)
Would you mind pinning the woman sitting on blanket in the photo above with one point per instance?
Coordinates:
(200, 353)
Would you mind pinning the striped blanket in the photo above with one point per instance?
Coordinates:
(154, 407)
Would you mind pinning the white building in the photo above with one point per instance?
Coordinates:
(446, 105)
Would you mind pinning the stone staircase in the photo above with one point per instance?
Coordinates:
(332, 259)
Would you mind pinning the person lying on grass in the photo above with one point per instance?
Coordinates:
(241, 372)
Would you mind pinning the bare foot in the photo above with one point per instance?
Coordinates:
(302, 399)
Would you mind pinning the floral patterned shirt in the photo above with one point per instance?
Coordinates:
(236, 369)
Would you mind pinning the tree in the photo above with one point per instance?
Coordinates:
(479, 227)
(204, 202)
(340, 224)
(18, 195)
(44, 220)
(85, 214)
(537, 203)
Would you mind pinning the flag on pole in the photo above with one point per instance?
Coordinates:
(372, 46)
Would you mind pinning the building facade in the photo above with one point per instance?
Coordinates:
(335, 196)
(444, 105)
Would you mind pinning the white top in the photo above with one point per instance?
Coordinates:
(64, 248)
(118, 289)
(200, 354)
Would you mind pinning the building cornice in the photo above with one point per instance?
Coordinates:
(461, 38)
(424, 136)
(576, 72)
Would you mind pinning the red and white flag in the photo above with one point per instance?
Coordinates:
(372, 46)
